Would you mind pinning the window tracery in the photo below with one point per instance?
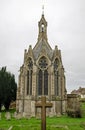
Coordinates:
(56, 63)
(30, 63)
(43, 63)
(43, 77)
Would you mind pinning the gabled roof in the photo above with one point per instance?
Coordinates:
(42, 45)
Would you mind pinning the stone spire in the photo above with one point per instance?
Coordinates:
(42, 44)
(42, 24)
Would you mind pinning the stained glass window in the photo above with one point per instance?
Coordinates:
(27, 82)
(56, 64)
(43, 62)
(45, 82)
(30, 82)
(30, 63)
(29, 77)
(40, 83)
(43, 76)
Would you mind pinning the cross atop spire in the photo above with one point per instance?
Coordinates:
(42, 24)
(42, 9)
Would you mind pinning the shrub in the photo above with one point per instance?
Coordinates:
(74, 113)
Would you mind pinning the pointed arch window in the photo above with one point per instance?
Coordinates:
(40, 83)
(45, 82)
(27, 82)
(43, 77)
(29, 76)
(42, 27)
(56, 77)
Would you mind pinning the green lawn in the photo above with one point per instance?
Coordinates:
(54, 123)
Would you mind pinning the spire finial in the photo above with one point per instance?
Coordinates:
(42, 9)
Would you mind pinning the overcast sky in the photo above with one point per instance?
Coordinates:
(66, 28)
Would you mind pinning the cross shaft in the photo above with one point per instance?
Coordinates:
(43, 105)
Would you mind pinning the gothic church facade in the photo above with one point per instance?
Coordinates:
(42, 73)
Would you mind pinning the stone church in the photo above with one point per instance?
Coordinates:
(42, 73)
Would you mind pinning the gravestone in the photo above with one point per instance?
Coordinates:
(26, 116)
(50, 114)
(8, 116)
(19, 116)
(43, 105)
(59, 114)
(15, 114)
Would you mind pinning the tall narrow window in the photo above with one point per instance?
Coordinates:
(56, 63)
(40, 83)
(29, 76)
(27, 82)
(45, 82)
(56, 84)
(30, 82)
(43, 77)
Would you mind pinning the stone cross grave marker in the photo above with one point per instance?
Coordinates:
(8, 116)
(43, 105)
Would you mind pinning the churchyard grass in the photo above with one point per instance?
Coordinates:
(54, 123)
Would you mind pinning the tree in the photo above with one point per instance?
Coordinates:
(8, 88)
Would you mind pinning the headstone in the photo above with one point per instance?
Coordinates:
(43, 105)
(32, 109)
(15, 114)
(3, 108)
(50, 114)
(19, 116)
(8, 116)
(58, 114)
(38, 116)
(25, 115)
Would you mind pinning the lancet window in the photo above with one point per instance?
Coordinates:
(40, 82)
(56, 76)
(45, 82)
(29, 76)
(43, 77)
